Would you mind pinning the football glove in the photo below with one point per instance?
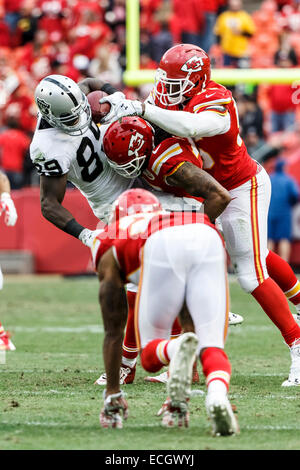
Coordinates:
(174, 413)
(114, 99)
(7, 206)
(88, 236)
(123, 108)
(110, 415)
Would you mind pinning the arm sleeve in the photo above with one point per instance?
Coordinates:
(185, 124)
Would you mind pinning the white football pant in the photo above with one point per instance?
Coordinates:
(245, 229)
(183, 263)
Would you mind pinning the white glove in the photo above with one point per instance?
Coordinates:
(113, 99)
(7, 206)
(122, 109)
(111, 413)
(88, 236)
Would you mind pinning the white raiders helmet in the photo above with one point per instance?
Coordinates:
(63, 105)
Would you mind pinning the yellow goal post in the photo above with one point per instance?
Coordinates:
(133, 76)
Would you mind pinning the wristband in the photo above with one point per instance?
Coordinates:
(5, 195)
(109, 89)
(73, 228)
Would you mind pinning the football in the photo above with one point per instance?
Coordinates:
(98, 110)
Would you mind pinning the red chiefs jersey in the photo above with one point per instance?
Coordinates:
(128, 236)
(224, 156)
(165, 160)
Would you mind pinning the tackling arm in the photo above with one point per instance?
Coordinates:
(199, 183)
(113, 302)
(186, 124)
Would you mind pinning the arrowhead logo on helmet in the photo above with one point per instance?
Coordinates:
(135, 144)
(194, 64)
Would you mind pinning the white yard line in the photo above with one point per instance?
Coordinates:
(96, 329)
(128, 425)
(57, 329)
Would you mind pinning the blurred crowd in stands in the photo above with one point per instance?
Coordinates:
(82, 38)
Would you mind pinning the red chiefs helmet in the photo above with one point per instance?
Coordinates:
(184, 71)
(127, 144)
(134, 201)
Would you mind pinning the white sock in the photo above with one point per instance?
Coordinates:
(217, 386)
(172, 346)
(128, 362)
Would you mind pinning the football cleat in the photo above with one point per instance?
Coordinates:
(234, 319)
(294, 376)
(179, 383)
(127, 375)
(297, 318)
(5, 342)
(163, 377)
(220, 414)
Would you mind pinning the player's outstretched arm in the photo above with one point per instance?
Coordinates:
(52, 192)
(6, 203)
(179, 123)
(199, 183)
(113, 302)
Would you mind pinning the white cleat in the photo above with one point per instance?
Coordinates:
(175, 409)
(220, 413)
(235, 319)
(297, 318)
(161, 378)
(126, 376)
(294, 376)
(181, 368)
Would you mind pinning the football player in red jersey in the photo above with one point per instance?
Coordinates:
(171, 254)
(127, 144)
(7, 208)
(187, 103)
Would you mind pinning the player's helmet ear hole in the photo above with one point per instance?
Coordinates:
(50, 93)
(62, 93)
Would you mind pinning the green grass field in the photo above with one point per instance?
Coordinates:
(48, 399)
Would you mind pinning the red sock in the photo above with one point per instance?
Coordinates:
(281, 272)
(154, 356)
(216, 366)
(272, 300)
(176, 329)
(130, 350)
